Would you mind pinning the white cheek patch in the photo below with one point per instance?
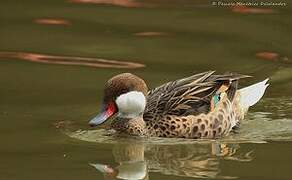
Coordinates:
(131, 104)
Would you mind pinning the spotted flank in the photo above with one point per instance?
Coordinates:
(211, 125)
(204, 105)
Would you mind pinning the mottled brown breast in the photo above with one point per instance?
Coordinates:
(126, 126)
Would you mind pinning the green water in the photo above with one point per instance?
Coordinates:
(44, 108)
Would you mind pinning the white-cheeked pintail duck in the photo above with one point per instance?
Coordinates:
(204, 105)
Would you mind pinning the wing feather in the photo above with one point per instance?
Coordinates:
(190, 95)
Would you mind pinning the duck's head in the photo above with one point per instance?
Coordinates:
(124, 95)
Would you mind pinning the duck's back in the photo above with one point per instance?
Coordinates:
(188, 96)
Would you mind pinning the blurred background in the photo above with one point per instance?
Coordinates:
(55, 57)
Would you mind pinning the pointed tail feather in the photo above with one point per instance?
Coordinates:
(252, 94)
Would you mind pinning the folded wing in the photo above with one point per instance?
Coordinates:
(191, 95)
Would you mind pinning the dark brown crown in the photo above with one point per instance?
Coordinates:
(123, 83)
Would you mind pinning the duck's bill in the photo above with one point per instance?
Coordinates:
(108, 111)
(99, 119)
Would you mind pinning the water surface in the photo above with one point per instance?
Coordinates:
(45, 108)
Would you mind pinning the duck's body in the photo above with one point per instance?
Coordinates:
(200, 106)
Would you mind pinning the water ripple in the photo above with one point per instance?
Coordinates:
(71, 60)
(52, 21)
(273, 124)
(136, 156)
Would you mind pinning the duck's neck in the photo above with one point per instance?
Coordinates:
(131, 126)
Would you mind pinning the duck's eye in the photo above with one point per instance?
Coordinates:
(123, 91)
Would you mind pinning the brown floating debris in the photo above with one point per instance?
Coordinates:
(71, 60)
(151, 33)
(250, 10)
(272, 56)
(122, 3)
(52, 21)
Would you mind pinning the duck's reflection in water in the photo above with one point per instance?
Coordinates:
(188, 160)
(131, 160)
